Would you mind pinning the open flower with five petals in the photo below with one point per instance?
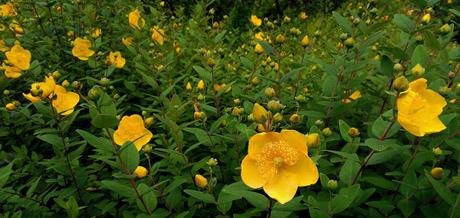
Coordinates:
(82, 49)
(132, 129)
(278, 163)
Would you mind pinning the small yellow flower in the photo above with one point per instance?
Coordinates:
(116, 59)
(96, 33)
(419, 108)
(278, 163)
(200, 85)
(259, 36)
(141, 172)
(256, 21)
(158, 35)
(64, 101)
(305, 41)
(200, 181)
(135, 20)
(18, 60)
(418, 70)
(127, 40)
(132, 129)
(313, 140)
(82, 49)
(259, 48)
(148, 121)
(280, 38)
(41, 90)
(7, 10)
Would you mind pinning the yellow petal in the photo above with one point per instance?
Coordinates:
(65, 102)
(250, 174)
(259, 140)
(131, 128)
(433, 126)
(282, 187)
(31, 98)
(295, 139)
(259, 113)
(418, 85)
(305, 170)
(355, 95)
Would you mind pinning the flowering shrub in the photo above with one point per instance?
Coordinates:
(155, 109)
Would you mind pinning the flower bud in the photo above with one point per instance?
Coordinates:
(332, 184)
(269, 92)
(426, 18)
(445, 28)
(147, 148)
(236, 101)
(258, 48)
(313, 140)
(10, 106)
(140, 172)
(401, 84)
(56, 74)
(319, 122)
(451, 75)
(255, 80)
(65, 83)
(188, 87)
(350, 42)
(199, 115)
(259, 113)
(327, 131)
(295, 118)
(300, 98)
(200, 85)
(280, 38)
(278, 117)
(305, 41)
(94, 93)
(200, 181)
(274, 105)
(104, 81)
(343, 36)
(6, 92)
(212, 162)
(200, 97)
(236, 111)
(398, 67)
(148, 121)
(437, 172)
(211, 62)
(437, 151)
(353, 132)
(418, 70)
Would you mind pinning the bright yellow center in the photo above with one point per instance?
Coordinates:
(274, 156)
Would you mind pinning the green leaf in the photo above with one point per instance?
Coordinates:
(431, 41)
(129, 156)
(121, 189)
(344, 198)
(343, 23)
(204, 74)
(98, 143)
(104, 121)
(420, 56)
(5, 173)
(404, 23)
(386, 66)
(379, 145)
(205, 197)
(200, 134)
(349, 169)
(379, 127)
(257, 200)
(344, 127)
(447, 195)
(149, 197)
(454, 54)
(246, 62)
(52, 139)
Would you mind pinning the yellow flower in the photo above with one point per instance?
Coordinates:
(259, 36)
(355, 95)
(41, 90)
(279, 163)
(19, 57)
(218, 87)
(419, 108)
(7, 10)
(127, 40)
(116, 59)
(200, 85)
(259, 113)
(135, 20)
(305, 41)
(132, 129)
(200, 181)
(158, 35)
(82, 49)
(16, 27)
(11, 72)
(259, 48)
(96, 33)
(141, 172)
(256, 21)
(3, 46)
(64, 101)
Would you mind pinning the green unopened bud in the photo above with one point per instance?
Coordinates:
(319, 122)
(398, 67)
(269, 92)
(300, 98)
(327, 131)
(343, 36)
(147, 148)
(200, 97)
(211, 62)
(445, 28)
(274, 105)
(350, 42)
(93, 93)
(401, 84)
(437, 151)
(332, 184)
(277, 117)
(295, 118)
(104, 81)
(212, 162)
(255, 80)
(353, 132)
(6, 92)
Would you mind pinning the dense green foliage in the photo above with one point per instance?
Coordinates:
(53, 165)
